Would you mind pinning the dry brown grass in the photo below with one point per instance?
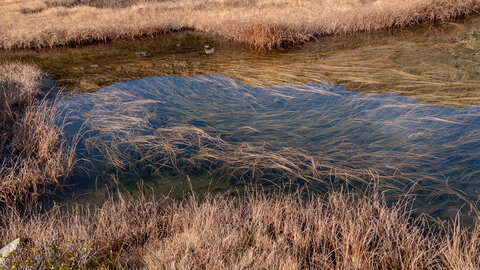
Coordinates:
(187, 148)
(32, 152)
(190, 150)
(261, 23)
(435, 63)
(340, 231)
(135, 138)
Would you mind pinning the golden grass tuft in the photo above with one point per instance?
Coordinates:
(33, 154)
(260, 23)
(339, 231)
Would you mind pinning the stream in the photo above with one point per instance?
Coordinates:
(398, 108)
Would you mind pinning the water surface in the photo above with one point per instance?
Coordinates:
(429, 151)
(406, 117)
(437, 63)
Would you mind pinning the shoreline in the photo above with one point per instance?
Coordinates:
(337, 231)
(260, 24)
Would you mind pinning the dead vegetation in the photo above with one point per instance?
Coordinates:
(260, 23)
(147, 129)
(33, 155)
(256, 231)
(340, 231)
(187, 148)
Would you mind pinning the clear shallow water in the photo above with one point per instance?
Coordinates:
(437, 63)
(131, 129)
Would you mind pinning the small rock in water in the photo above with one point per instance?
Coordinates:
(209, 51)
(8, 249)
(108, 67)
(141, 53)
(178, 45)
(93, 66)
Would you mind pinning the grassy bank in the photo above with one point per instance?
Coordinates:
(260, 23)
(435, 63)
(340, 231)
(32, 152)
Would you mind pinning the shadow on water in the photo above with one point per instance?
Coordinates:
(223, 133)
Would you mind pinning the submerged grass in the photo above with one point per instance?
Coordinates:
(260, 23)
(187, 149)
(435, 63)
(216, 127)
(338, 231)
(33, 154)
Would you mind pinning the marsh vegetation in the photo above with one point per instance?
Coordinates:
(260, 23)
(341, 229)
(271, 165)
(32, 150)
(253, 231)
(436, 63)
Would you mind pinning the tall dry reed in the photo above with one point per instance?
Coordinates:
(260, 23)
(32, 151)
(339, 231)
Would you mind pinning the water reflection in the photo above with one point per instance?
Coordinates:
(431, 151)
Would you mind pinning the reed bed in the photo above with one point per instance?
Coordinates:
(337, 231)
(32, 151)
(259, 23)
